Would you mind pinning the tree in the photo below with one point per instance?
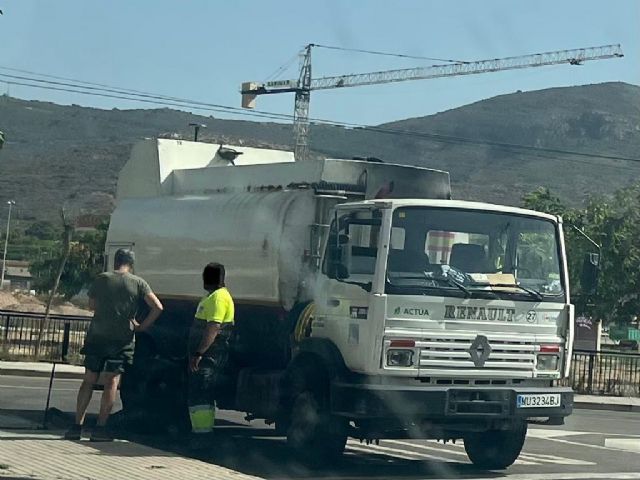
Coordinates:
(613, 222)
(66, 250)
(43, 230)
(85, 261)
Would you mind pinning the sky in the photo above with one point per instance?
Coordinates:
(204, 49)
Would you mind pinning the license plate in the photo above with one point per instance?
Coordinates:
(538, 400)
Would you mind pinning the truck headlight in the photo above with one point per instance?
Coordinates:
(547, 362)
(399, 358)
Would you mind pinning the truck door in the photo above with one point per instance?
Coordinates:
(343, 303)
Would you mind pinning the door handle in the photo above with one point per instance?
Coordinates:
(333, 302)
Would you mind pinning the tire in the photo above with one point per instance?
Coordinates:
(315, 436)
(496, 449)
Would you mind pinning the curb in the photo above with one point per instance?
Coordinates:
(41, 374)
(611, 407)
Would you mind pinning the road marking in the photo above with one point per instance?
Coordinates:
(363, 449)
(29, 434)
(544, 433)
(20, 387)
(425, 447)
(580, 444)
(540, 457)
(569, 476)
(628, 444)
(398, 452)
(403, 453)
(550, 433)
(441, 449)
(525, 458)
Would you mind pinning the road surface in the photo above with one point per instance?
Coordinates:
(592, 445)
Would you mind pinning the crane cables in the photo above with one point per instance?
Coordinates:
(388, 54)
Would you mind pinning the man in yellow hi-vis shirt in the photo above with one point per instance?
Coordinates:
(209, 347)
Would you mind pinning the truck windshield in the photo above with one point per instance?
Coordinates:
(468, 253)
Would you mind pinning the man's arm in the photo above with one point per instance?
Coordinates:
(155, 309)
(208, 337)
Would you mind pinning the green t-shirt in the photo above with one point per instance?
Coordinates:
(118, 299)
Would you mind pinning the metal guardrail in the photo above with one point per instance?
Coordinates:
(605, 373)
(593, 373)
(62, 334)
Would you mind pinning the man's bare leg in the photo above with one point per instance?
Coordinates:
(111, 381)
(84, 395)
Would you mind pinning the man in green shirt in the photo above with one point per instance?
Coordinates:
(208, 347)
(116, 299)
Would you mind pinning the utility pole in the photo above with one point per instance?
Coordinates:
(11, 203)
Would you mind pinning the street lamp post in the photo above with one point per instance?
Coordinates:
(11, 203)
(196, 129)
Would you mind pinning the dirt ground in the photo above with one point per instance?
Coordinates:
(24, 302)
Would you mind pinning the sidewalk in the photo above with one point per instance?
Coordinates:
(36, 369)
(595, 402)
(43, 456)
(40, 369)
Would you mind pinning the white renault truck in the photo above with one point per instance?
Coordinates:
(368, 302)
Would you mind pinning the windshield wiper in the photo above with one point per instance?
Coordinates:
(533, 293)
(455, 283)
(446, 279)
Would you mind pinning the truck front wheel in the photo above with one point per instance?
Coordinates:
(496, 449)
(315, 436)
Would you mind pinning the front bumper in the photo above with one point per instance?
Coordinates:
(440, 403)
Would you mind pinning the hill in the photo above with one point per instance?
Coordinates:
(55, 152)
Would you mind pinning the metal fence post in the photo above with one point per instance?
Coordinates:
(65, 341)
(590, 374)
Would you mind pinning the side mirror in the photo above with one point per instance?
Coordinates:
(590, 270)
(338, 271)
(335, 266)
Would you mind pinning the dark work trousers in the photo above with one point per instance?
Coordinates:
(202, 390)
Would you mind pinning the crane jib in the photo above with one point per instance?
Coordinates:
(572, 57)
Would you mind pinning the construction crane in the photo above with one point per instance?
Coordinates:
(304, 84)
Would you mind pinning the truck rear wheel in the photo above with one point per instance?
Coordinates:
(496, 449)
(315, 436)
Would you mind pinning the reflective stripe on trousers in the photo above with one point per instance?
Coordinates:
(202, 418)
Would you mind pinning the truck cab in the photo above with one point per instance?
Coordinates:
(441, 319)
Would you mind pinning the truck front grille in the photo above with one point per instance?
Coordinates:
(453, 353)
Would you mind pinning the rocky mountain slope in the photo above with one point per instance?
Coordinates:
(56, 152)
